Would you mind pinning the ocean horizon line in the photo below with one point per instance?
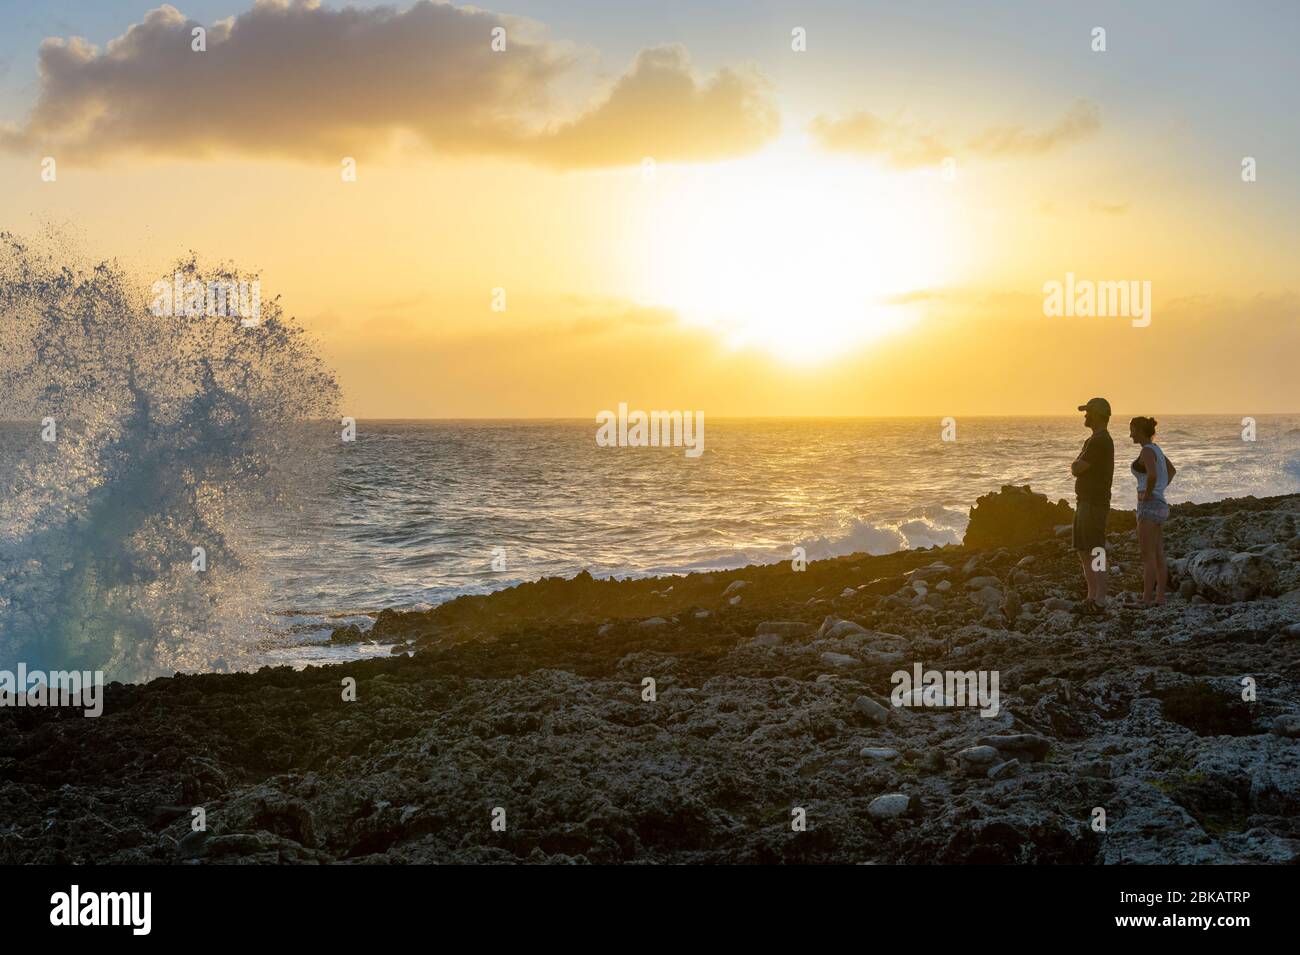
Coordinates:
(826, 417)
(765, 417)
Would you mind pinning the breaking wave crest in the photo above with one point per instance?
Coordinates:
(922, 527)
(134, 439)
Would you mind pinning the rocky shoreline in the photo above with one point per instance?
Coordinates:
(530, 709)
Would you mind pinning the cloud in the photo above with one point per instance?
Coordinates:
(870, 135)
(659, 109)
(604, 315)
(1082, 120)
(289, 78)
(1107, 208)
(907, 147)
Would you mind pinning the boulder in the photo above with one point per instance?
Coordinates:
(349, 634)
(890, 806)
(879, 753)
(1011, 604)
(1221, 576)
(838, 659)
(929, 572)
(833, 629)
(1005, 770)
(872, 710)
(978, 759)
(1013, 516)
(1025, 745)
(783, 628)
(872, 655)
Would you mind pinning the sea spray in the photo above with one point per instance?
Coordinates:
(171, 433)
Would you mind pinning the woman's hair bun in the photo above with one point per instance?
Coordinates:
(1145, 425)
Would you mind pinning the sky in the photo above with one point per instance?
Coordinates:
(742, 208)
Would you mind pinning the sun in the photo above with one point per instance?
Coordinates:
(793, 251)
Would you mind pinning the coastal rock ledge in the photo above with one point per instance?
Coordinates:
(659, 721)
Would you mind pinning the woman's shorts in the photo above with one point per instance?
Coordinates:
(1157, 512)
(1090, 524)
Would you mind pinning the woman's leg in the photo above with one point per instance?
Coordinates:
(1162, 569)
(1147, 550)
(1142, 552)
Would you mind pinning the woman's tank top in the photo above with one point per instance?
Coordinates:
(1162, 473)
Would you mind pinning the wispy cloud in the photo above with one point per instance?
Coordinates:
(870, 135)
(289, 78)
(1082, 120)
(907, 147)
(1107, 208)
(598, 316)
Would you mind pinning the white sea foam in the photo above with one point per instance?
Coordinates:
(168, 432)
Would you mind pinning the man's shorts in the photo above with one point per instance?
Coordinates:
(1090, 524)
(1157, 512)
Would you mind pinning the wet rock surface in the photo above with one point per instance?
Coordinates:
(531, 706)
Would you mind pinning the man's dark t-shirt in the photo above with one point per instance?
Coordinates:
(1094, 483)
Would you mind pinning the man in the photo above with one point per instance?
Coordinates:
(1093, 471)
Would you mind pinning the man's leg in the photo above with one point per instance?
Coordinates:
(1102, 576)
(1079, 536)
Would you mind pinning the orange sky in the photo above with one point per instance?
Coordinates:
(795, 249)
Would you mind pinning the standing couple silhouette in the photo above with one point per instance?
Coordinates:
(1094, 472)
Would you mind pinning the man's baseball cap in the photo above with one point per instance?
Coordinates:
(1097, 406)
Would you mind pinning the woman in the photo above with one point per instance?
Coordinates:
(1153, 472)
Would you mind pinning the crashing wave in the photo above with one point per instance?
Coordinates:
(140, 437)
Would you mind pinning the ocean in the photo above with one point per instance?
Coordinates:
(414, 513)
(419, 512)
(176, 494)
